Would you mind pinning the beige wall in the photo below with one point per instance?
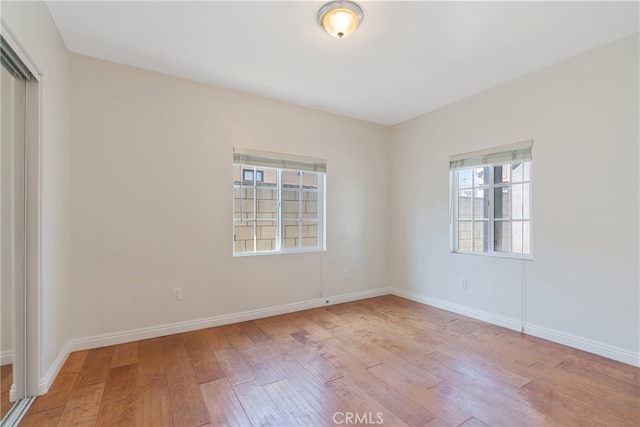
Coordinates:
(152, 205)
(583, 286)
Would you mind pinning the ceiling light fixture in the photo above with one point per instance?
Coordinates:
(340, 18)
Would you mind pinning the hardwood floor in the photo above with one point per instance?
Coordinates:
(383, 361)
(6, 379)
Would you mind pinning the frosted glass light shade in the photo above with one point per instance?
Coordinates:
(340, 18)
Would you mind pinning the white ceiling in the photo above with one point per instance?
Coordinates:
(405, 59)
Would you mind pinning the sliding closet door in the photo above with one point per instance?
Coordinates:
(13, 87)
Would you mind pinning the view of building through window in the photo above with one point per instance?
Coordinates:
(276, 209)
(509, 219)
(491, 200)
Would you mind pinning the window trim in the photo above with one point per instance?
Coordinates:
(283, 162)
(502, 155)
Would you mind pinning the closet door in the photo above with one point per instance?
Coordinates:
(13, 86)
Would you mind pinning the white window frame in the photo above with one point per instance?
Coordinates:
(247, 158)
(490, 158)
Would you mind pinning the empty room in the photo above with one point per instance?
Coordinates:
(313, 213)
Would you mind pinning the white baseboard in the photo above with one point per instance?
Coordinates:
(6, 357)
(122, 337)
(581, 343)
(44, 384)
(494, 319)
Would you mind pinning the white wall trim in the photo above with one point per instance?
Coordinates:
(581, 343)
(485, 316)
(122, 337)
(6, 357)
(574, 341)
(44, 383)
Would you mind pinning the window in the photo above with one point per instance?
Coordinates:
(491, 201)
(248, 174)
(278, 203)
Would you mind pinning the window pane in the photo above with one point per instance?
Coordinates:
(243, 203)
(309, 235)
(291, 195)
(248, 175)
(502, 231)
(239, 193)
(290, 205)
(291, 179)
(526, 172)
(266, 236)
(464, 204)
(520, 201)
(465, 179)
(237, 202)
(310, 204)
(243, 232)
(526, 200)
(267, 201)
(267, 195)
(270, 177)
(517, 172)
(310, 200)
(291, 234)
(501, 202)
(481, 176)
(464, 235)
(310, 180)
(520, 232)
(239, 247)
(481, 203)
(480, 236)
(502, 174)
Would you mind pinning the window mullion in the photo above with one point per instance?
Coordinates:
(300, 207)
(473, 216)
(455, 216)
(255, 212)
(510, 216)
(321, 211)
(279, 223)
(492, 235)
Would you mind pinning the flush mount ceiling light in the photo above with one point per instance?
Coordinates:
(340, 18)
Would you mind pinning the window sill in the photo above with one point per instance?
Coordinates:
(286, 252)
(522, 257)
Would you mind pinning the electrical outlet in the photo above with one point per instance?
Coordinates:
(345, 275)
(463, 283)
(177, 294)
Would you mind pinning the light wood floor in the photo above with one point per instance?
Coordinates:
(6, 379)
(382, 359)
